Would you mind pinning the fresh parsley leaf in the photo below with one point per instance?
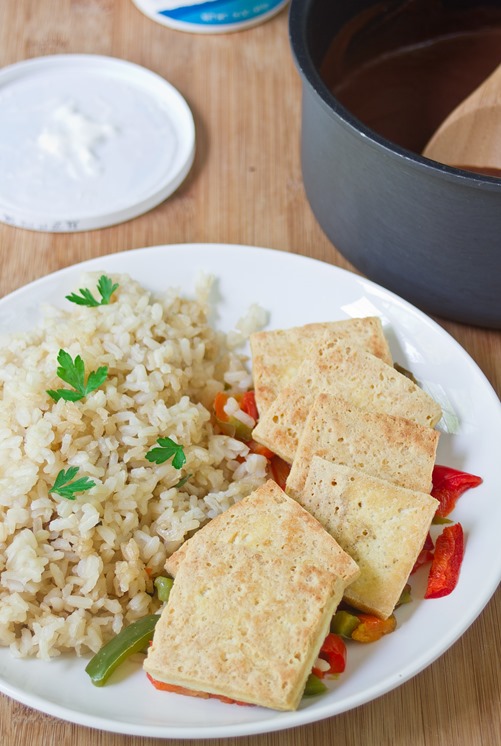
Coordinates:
(106, 288)
(64, 487)
(96, 379)
(168, 448)
(84, 299)
(73, 372)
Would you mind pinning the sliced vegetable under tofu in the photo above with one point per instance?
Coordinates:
(333, 652)
(314, 686)
(237, 425)
(372, 628)
(163, 587)
(344, 623)
(361, 627)
(240, 426)
(280, 470)
(425, 555)
(162, 686)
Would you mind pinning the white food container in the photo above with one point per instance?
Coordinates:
(210, 16)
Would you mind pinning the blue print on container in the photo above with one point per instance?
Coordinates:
(221, 12)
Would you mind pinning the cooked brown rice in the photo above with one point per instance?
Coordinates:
(72, 573)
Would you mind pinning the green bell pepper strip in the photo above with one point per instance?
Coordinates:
(163, 586)
(343, 623)
(131, 639)
(314, 686)
(405, 596)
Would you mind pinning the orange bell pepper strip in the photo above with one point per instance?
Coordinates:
(162, 686)
(372, 628)
(447, 560)
(219, 404)
(448, 485)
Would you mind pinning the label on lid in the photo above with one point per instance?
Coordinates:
(210, 16)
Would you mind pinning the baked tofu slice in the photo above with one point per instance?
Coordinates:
(251, 605)
(351, 373)
(243, 624)
(278, 354)
(384, 446)
(382, 526)
(268, 521)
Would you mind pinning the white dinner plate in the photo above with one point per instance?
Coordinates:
(295, 290)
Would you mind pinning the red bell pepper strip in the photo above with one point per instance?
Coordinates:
(248, 405)
(333, 651)
(425, 555)
(280, 470)
(448, 485)
(258, 448)
(446, 565)
(246, 402)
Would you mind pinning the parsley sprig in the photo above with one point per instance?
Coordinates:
(73, 372)
(106, 287)
(64, 487)
(167, 449)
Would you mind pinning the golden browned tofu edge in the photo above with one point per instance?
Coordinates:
(277, 353)
(269, 520)
(366, 516)
(379, 444)
(244, 624)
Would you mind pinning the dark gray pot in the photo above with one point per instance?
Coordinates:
(428, 232)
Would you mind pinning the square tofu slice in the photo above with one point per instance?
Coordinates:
(381, 445)
(351, 373)
(382, 526)
(243, 624)
(277, 354)
(269, 521)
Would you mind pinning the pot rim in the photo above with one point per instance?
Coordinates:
(298, 21)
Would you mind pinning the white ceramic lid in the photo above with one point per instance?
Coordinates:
(88, 141)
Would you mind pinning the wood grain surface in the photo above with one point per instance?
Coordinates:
(245, 187)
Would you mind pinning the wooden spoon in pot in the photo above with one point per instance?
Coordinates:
(470, 137)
